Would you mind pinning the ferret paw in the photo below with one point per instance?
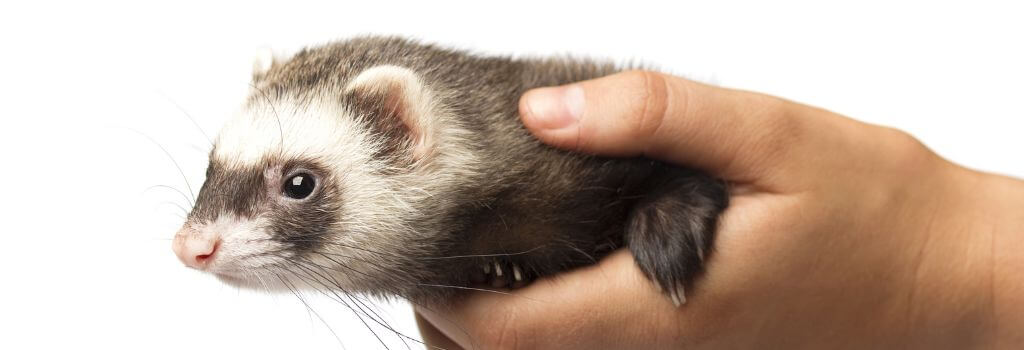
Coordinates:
(672, 231)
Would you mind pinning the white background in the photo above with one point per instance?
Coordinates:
(85, 250)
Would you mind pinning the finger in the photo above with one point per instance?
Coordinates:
(737, 135)
(584, 309)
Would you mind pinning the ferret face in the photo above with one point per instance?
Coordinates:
(273, 201)
(308, 190)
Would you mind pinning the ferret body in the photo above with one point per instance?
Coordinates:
(388, 167)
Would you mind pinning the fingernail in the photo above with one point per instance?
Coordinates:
(554, 107)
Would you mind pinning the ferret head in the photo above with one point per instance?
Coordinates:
(331, 185)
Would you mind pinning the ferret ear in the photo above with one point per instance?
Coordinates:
(397, 105)
(263, 59)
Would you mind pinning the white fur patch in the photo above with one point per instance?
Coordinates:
(242, 244)
(288, 130)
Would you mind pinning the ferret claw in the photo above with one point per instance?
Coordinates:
(504, 274)
(678, 295)
(497, 280)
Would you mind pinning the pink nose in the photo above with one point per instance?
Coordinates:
(195, 249)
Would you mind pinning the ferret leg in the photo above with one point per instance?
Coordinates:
(671, 231)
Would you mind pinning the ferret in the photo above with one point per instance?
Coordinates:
(392, 168)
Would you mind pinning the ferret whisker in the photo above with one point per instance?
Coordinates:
(362, 249)
(291, 289)
(374, 264)
(573, 246)
(290, 239)
(302, 266)
(442, 257)
(345, 266)
(375, 317)
(184, 212)
(275, 252)
(263, 283)
(468, 256)
(383, 322)
(183, 195)
(477, 289)
(308, 307)
(486, 255)
(189, 116)
(176, 165)
(262, 254)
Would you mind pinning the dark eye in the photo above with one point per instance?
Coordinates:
(299, 186)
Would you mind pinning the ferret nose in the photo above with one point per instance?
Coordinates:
(195, 248)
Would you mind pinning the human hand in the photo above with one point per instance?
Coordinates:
(839, 234)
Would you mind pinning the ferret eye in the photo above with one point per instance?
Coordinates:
(299, 186)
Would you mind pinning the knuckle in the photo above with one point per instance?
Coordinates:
(906, 144)
(648, 102)
(906, 152)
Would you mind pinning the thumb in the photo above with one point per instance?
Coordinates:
(740, 136)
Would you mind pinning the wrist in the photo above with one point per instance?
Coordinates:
(971, 269)
(1004, 215)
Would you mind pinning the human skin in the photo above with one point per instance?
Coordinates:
(839, 234)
